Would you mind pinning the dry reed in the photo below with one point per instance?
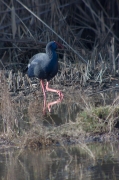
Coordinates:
(89, 58)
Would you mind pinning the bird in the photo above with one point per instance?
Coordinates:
(45, 66)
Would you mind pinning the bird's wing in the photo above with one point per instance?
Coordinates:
(40, 62)
(39, 56)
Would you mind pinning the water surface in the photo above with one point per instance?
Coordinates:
(69, 162)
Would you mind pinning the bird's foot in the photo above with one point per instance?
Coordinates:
(49, 105)
(60, 94)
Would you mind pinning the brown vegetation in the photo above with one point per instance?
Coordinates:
(88, 30)
(88, 63)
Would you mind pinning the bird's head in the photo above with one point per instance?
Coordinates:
(54, 45)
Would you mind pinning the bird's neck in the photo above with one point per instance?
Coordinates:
(50, 53)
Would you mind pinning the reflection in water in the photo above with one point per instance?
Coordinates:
(61, 163)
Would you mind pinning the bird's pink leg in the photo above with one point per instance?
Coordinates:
(49, 105)
(43, 88)
(54, 90)
(44, 106)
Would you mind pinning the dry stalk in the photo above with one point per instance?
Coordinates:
(9, 118)
(85, 148)
(111, 119)
(14, 28)
(53, 32)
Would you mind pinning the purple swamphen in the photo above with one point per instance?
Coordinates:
(45, 66)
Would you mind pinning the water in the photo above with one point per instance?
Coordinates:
(61, 163)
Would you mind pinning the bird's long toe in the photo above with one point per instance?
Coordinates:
(60, 94)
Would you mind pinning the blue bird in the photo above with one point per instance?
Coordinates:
(45, 66)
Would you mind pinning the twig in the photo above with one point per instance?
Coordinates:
(53, 31)
(116, 87)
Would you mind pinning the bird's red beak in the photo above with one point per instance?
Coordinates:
(59, 45)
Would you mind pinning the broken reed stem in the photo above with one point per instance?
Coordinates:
(7, 108)
(53, 32)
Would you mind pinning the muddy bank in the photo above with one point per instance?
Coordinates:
(79, 118)
(40, 142)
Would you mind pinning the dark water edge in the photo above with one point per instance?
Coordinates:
(94, 161)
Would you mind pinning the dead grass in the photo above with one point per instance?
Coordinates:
(87, 31)
(88, 62)
(22, 121)
(99, 119)
(8, 111)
